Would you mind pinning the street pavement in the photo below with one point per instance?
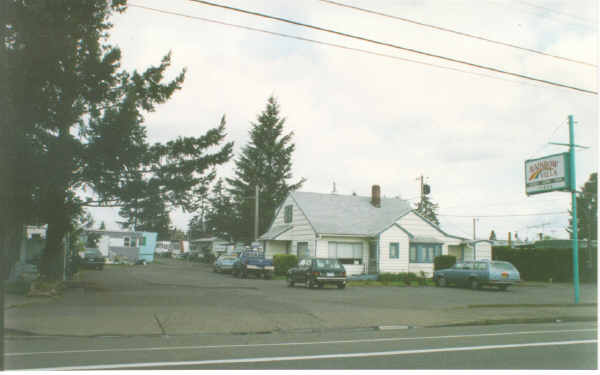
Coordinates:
(544, 346)
(173, 297)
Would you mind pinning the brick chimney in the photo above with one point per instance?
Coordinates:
(376, 196)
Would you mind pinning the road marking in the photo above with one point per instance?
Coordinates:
(299, 343)
(312, 357)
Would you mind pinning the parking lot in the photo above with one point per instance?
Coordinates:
(180, 297)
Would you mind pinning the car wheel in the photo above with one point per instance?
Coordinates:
(341, 286)
(289, 281)
(475, 284)
(308, 283)
(441, 281)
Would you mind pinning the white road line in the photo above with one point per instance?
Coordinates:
(297, 343)
(312, 357)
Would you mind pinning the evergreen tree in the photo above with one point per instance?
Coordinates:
(76, 121)
(587, 210)
(266, 162)
(428, 209)
(221, 217)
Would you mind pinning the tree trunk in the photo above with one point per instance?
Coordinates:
(58, 219)
(11, 235)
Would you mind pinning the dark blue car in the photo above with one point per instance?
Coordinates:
(477, 274)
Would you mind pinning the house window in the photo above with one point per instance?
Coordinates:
(287, 214)
(143, 241)
(394, 250)
(303, 251)
(346, 252)
(424, 253)
(126, 242)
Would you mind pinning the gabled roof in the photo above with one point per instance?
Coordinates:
(349, 214)
(275, 231)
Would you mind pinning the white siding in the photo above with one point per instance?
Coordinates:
(275, 247)
(420, 228)
(393, 234)
(323, 252)
(301, 232)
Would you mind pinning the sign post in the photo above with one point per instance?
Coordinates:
(557, 173)
(573, 188)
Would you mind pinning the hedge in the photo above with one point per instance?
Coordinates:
(283, 262)
(549, 263)
(406, 277)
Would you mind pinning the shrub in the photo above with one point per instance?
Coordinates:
(283, 262)
(409, 277)
(388, 277)
(441, 262)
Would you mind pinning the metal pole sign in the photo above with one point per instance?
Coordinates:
(557, 173)
(546, 174)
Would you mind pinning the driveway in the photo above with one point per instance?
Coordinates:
(179, 297)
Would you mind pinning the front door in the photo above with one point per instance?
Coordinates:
(372, 266)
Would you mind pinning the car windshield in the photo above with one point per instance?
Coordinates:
(503, 266)
(328, 263)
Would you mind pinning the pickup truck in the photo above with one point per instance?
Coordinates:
(253, 263)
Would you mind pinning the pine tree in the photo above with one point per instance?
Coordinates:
(266, 162)
(220, 218)
(75, 120)
(428, 209)
(587, 211)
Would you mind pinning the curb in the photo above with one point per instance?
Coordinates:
(16, 333)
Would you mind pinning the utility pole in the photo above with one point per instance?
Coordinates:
(574, 204)
(475, 228)
(573, 189)
(256, 213)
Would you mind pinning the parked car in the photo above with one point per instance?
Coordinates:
(224, 263)
(253, 263)
(93, 258)
(477, 274)
(318, 272)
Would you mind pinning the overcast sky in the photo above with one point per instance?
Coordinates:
(361, 119)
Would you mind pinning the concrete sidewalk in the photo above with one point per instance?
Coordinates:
(219, 304)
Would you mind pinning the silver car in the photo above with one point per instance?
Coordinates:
(477, 274)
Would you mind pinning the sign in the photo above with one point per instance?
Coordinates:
(550, 173)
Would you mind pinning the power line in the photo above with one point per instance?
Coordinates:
(552, 135)
(496, 70)
(331, 44)
(510, 215)
(455, 32)
(587, 20)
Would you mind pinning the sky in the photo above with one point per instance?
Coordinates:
(391, 115)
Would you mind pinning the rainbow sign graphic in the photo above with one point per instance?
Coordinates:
(546, 174)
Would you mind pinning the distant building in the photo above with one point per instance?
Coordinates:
(215, 245)
(125, 245)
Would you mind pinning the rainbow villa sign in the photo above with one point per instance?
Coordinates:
(546, 174)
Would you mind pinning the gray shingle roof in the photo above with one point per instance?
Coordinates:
(349, 214)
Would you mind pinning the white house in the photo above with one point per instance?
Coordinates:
(369, 235)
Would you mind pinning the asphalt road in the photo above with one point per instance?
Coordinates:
(558, 346)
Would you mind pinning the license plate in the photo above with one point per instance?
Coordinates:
(330, 274)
